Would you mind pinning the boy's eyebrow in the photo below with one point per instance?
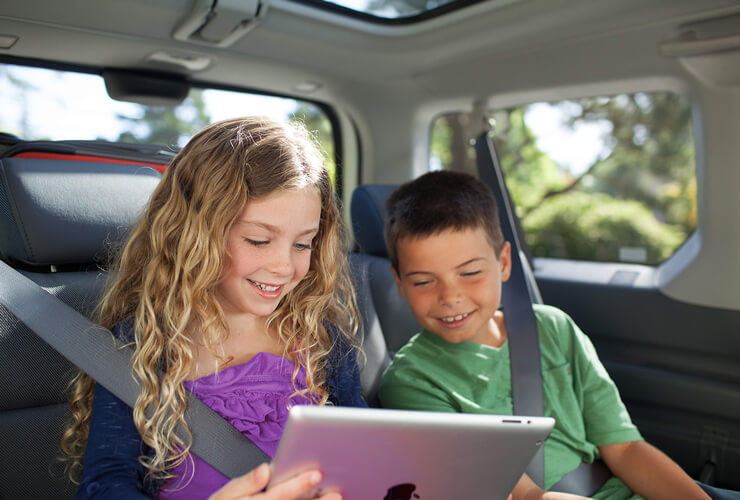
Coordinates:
(275, 229)
(474, 259)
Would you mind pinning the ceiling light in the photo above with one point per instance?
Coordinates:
(307, 87)
(7, 41)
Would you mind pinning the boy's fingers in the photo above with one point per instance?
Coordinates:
(248, 484)
(293, 487)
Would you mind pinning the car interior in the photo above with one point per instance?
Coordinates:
(402, 87)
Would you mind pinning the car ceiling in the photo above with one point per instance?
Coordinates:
(478, 50)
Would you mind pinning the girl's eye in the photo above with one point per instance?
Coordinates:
(256, 243)
(302, 247)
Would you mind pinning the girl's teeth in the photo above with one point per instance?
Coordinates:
(266, 288)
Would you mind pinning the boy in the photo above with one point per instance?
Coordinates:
(449, 258)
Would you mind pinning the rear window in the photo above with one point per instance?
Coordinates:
(607, 178)
(44, 104)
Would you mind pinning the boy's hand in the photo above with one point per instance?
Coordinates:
(526, 489)
(250, 486)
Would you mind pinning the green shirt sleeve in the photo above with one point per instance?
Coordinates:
(605, 417)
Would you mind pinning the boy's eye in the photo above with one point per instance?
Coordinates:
(256, 243)
(471, 273)
(421, 283)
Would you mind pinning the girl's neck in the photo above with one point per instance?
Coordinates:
(245, 339)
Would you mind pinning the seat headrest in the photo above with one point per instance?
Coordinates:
(55, 212)
(368, 213)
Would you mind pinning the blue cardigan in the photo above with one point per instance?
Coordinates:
(111, 468)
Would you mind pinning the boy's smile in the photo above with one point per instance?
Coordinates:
(452, 282)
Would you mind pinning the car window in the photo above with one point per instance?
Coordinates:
(45, 104)
(607, 179)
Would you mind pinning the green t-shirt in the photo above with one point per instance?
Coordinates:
(430, 374)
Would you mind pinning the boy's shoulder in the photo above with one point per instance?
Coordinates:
(556, 327)
(412, 345)
(551, 314)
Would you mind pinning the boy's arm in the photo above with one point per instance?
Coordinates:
(526, 489)
(648, 472)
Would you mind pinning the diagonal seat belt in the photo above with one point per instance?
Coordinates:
(519, 293)
(518, 296)
(92, 349)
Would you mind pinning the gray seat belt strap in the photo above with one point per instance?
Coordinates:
(521, 324)
(584, 480)
(92, 349)
(518, 296)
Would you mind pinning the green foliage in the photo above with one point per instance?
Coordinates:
(165, 125)
(595, 226)
(652, 159)
(640, 192)
(529, 172)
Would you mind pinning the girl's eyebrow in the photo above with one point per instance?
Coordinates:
(474, 259)
(276, 229)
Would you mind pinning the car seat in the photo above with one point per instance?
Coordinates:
(387, 319)
(58, 221)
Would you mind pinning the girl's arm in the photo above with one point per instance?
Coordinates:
(526, 489)
(649, 472)
(111, 468)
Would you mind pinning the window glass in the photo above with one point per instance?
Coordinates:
(392, 10)
(46, 104)
(601, 179)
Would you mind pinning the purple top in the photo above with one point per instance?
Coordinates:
(254, 398)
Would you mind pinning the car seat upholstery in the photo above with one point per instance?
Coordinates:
(58, 221)
(387, 319)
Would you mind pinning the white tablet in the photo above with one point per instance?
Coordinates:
(377, 454)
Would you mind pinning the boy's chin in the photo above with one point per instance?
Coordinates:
(451, 337)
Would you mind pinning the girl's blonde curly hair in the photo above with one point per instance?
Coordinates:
(165, 276)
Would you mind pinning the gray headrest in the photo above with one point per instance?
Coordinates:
(368, 213)
(55, 212)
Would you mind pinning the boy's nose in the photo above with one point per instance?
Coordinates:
(450, 295)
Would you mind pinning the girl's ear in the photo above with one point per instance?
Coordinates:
(504, 260)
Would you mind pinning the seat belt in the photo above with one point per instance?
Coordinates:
(519, 293)
(517, 299)
(92, 349)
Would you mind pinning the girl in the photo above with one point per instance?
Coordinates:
(234, 287)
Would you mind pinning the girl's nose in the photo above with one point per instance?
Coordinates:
(281, 262)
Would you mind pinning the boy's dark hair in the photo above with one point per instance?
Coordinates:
(436, 202)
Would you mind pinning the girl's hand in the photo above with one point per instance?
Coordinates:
(250, 486)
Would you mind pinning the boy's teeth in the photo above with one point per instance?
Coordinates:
(266, 288)
(450, 319)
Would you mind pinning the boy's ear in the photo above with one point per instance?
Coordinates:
(505, 261)
(398, 281)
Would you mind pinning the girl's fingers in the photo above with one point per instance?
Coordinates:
(294, 487)
(243, 486)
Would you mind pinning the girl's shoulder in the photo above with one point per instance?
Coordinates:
(123, 331)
